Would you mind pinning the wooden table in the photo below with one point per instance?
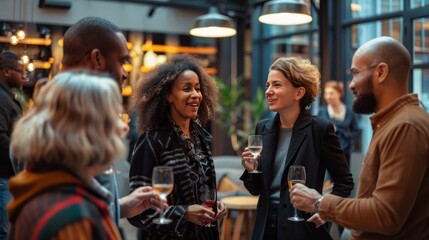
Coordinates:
(245, 206)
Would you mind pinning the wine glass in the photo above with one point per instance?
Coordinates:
(209, 198)
(162, 183)
(254, 143)
(296, 175)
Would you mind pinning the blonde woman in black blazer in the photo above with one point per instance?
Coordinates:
(293, 137)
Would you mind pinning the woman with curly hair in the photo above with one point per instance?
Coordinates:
(173, 103)
(293, 137)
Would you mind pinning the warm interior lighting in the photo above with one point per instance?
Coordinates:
(20, 34)
(29, 41)
(213, 25)
(13, 40)
(128, 67)
(129, 45)
(285, 12)
(31, 67)
(25, 59)
(149, 59)
(355, 7)
(161, 59)
(180, 49)
(127, 91)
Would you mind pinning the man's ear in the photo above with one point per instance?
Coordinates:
(98, 62)
(382, 71)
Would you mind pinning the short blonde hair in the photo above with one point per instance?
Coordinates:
(301, 73)
(73, 123)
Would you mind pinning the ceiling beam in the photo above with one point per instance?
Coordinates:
(240, 7)
(54, 4)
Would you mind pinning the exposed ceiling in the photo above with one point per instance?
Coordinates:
(229, 7)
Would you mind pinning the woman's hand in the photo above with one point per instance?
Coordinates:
(247, 160)
(316, 220)
(221, 210)
(199, 215)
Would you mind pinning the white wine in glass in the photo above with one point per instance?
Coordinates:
(254, 144)
(162, 183)
(296, 175)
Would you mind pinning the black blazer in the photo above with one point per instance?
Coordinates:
(313, 145)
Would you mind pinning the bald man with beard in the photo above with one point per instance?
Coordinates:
(393, 194)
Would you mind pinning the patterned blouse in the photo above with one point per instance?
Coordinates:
(193, 171)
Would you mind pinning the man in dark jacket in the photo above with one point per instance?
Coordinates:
(12, 74)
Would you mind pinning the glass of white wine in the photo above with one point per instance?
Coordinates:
(254, 143)
(296, 175)
(162, 183)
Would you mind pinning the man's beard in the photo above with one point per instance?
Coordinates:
(365, 103)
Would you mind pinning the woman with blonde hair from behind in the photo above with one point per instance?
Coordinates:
(72, 134)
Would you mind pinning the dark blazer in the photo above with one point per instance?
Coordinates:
(313, 145)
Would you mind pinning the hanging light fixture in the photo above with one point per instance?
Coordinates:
(213, 25)
(285, 12)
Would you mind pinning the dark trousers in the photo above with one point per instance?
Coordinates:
(272, 222)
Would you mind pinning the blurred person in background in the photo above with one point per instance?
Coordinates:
(173, 103)
(343, 118)
(12, 75)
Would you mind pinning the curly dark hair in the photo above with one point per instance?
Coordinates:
(152, 106)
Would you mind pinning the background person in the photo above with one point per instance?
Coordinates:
(392, 199)
(56, 196)
(12, 75)
(173, 103)
(293, 137)
(343, 118)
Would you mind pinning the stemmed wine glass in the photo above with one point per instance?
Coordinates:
(296, 175)
(162, 183)
(209, 198)
(254, 143)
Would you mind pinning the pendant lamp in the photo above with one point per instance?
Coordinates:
(213, 25)
(285, 12)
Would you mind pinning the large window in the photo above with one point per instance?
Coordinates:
(420, 73)
(369, 8)
(344, 26)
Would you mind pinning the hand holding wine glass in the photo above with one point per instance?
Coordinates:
(296, 175)
(162, 183)
(255, 147)
(209, 198)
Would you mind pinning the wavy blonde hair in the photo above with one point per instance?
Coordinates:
(73, 123)
(301, 73)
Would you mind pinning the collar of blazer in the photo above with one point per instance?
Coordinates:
(304, 119)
